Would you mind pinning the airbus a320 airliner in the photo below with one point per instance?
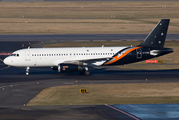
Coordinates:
(80, 59)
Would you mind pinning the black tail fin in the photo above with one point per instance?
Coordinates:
(157, 37)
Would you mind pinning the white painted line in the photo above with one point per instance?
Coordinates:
(122, 112)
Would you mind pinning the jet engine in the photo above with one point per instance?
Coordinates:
(67, 67)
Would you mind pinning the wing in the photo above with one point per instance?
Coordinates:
(88, 62)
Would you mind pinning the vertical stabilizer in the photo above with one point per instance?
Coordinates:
(157, 37)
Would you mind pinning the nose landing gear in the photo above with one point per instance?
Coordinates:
(27, 70)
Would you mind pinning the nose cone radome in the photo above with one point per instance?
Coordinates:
(7, 61)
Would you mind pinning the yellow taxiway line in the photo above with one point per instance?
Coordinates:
(5, 67)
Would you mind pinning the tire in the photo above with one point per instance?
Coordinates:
(87, 72)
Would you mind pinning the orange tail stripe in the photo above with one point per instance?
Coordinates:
(116, 59)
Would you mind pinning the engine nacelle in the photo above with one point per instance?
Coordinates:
(67, 67)
(54, 68)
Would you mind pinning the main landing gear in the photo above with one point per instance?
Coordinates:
(27, 70)
(85, 71)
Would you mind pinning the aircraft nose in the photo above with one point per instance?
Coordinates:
(6, 61)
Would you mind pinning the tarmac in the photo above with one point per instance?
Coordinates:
(78, 37)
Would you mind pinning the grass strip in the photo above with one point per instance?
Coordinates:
(93, 17)
(136, 93)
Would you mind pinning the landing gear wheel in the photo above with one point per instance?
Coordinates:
(27, 70)
(27, 73)
(84, 71)
(87, 72)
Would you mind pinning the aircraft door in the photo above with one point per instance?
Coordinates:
(139, 53)
(27, 55)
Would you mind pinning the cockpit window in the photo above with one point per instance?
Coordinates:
(16, 55)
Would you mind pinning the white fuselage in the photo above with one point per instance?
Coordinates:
(44, 57)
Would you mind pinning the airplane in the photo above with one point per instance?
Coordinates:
(79, 59)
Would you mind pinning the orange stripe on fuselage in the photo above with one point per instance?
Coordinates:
(116, 58)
